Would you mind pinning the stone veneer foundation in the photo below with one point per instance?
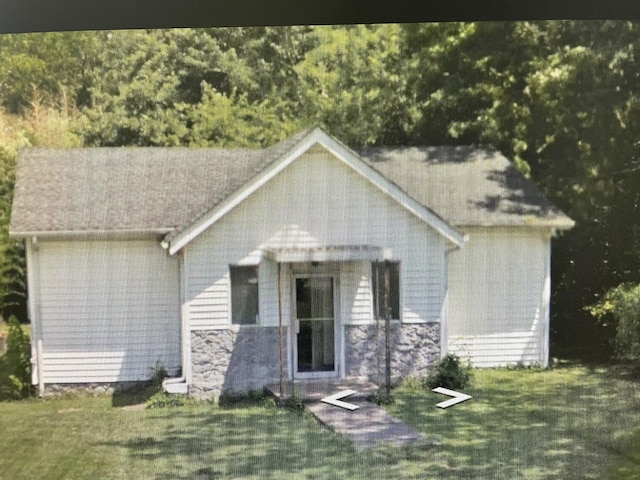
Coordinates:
(414, 349)
(53, 389)
(233, 360)
(247, 358)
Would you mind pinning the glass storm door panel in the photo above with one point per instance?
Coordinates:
(315, 339)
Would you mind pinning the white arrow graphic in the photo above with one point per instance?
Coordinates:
(335, 400)
(457, 397)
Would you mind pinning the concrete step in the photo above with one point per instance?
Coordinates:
(306, 390)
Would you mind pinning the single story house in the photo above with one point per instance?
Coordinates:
(230, 267)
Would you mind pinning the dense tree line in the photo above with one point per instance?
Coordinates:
(559, 98)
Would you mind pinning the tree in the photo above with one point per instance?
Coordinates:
(192, 87)
(560, 98)
(355, 84)
(15, 364)
(44, 66)
(622, 306)
(39, 126)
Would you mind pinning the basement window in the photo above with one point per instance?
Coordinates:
(244, 294)
(378, 286)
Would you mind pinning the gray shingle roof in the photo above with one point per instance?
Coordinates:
(129, 189)
(467, 186)
(166, 189)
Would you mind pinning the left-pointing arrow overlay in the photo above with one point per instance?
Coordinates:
(335, 400)
(457, 397)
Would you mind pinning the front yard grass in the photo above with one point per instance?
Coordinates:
(565, 423)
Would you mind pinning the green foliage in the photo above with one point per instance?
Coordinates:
(157, 377)
(622, 306)
(12, 261)
(15, 364)
(415, 384)
(449, 373)
(228, 399)
(156, 397)
(520, 366)
(381, 397)
(45, 66)
(355, 83)
(188, 87)
(40, 125)
(164, 400)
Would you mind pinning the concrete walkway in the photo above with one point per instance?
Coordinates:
(367, 426)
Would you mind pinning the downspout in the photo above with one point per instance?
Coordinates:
(33, 306)
(179, 384)
(444, 320)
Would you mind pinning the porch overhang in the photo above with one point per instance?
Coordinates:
(333, 253)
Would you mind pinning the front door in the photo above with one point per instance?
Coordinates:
(315, 339)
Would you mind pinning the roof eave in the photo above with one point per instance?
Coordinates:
(154, 233)
(560, 224)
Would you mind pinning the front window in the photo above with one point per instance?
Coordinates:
(244, 294)
(378, 285)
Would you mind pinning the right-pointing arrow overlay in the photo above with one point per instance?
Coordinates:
(457, 397)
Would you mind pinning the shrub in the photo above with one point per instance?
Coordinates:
(164, 400)
(157, 377)
(449, 373)
(15, 364)
(156, 397)
(622, 305)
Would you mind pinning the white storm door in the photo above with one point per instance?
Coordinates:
(315, 332)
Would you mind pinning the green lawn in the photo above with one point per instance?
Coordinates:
(566, 423)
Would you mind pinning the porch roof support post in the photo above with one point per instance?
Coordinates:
(281, 332)
(387, 327)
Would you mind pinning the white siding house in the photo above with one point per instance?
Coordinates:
(317, 201)
(499, 287)
(233, 267)
(106, 311)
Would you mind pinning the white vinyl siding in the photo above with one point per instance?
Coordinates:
(355, 290)
(316, 201)
(108, 311)
(498, 306)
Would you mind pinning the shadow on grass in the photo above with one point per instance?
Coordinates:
(628, 467)
(237, 442)
(133, 395)
(554, 424)
(564, 423)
